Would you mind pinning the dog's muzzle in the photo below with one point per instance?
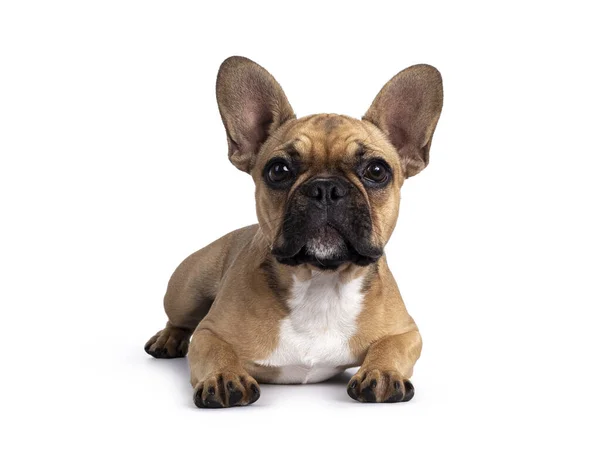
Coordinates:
(327, 223)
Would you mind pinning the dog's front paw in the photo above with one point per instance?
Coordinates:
(226, 390)
(380, 386)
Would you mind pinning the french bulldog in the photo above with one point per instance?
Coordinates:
(306, 293)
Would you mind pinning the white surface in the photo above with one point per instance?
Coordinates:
(113, 169)
(322, 310)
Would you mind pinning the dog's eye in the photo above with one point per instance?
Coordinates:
(376, 172)
(279, 172)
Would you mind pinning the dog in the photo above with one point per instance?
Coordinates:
(306, 293)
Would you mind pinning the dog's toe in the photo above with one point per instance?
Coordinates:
(226, 390)
(169, 343)
(380, 386)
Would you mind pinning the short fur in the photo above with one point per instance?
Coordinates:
(305, 293)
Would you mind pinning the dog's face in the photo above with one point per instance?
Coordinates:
(327, 186)
(327, 191)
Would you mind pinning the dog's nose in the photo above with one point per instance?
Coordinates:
(325, 190)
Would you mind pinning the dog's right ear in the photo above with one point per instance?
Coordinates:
(252, 106)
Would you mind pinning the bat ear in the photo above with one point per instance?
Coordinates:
(252, 106)
(407, 110)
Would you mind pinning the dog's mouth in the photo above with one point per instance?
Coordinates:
(326, 249)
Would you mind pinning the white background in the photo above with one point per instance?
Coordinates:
(113, 169)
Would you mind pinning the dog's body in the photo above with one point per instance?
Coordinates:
(307, 292)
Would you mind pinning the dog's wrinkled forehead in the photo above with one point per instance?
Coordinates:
(328, 143)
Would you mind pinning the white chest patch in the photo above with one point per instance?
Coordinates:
(314, 338)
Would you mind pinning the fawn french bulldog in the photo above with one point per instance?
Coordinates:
(306, 293)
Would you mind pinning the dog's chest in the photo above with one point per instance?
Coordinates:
(314, 339)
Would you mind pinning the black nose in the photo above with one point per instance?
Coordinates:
(325, 190)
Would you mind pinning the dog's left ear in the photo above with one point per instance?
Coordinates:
(252, 106)
(407, 110)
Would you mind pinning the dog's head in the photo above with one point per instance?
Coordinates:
(327, 186)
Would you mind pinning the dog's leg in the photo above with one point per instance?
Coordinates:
(217, 375)
(185, 308)
(385, 373)
(192, 290)
(189, 296)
